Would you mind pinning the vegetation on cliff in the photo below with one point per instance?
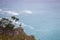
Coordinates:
(8, 32)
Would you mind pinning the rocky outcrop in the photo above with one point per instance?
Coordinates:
(15, 34)
(8, 32)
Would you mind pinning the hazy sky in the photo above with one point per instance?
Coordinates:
(40, 17)
(42, 1)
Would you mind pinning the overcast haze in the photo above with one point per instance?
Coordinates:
(39, 17)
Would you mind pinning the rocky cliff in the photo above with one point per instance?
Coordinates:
(8, 32)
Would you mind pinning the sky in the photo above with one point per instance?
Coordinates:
(39, 17)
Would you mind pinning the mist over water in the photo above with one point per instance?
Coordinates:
(45, 17)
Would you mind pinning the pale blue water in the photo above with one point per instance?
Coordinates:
(45, 18)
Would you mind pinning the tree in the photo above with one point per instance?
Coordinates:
(14, 18)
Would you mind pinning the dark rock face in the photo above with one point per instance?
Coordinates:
(1, 30)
